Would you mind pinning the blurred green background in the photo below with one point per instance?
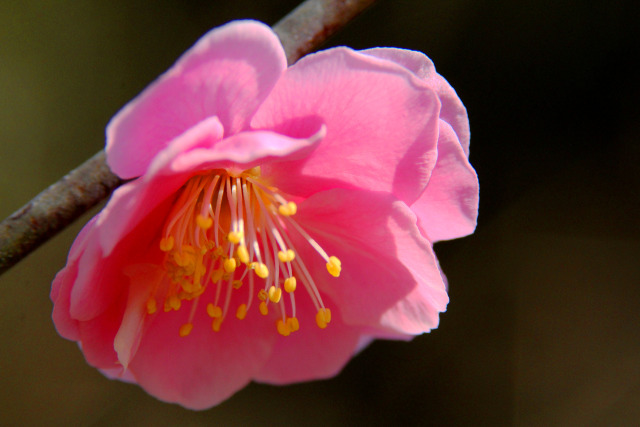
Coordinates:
(542, 328)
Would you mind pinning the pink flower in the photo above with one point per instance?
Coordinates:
(279, 220)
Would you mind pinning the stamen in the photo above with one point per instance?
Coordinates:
(242, 311)
(235, 236)
(186, 329)
(243, 254)
(261, 270)
(275, 294)
(152, 305)
(289, 209)
(166, 244)
(323, 317)
(264, 310)
(214, 311)
(215, 325)
(287, 256)
(230, 265)
(334, 266)
(293, 324)
(221, 222)
(283, 328)
(290, 284)
(204, 222)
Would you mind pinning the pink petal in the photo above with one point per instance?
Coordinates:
(227, 74)
(452, 111)
(390, 277)
(119, 373)
(63, 284)
(206, 367)
(449, 206)
(101, 278)
(248, 149)
(381, 124)
(142, 280)
(196, 150)
(61, 295)
(97, 335)
(130, 204)
(311, 353)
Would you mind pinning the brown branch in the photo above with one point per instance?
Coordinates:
(300, 32)
(313, 22)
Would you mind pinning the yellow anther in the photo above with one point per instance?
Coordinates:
(290, 284)
(186, 256)
(323, 317)
(217, 275)
(152, 305)
(204, 222)
(293, 324)
(230, 265)
(235, 237)
(186, 329)
(217, 252)
(253, 172)
(275, 294)
(241, 313)
(262, 295)
(334, 266)
(286, 256)
(289, 209)
(180, 259)
(261, 270)
(214, 311)
(264, 310)
(215, 325)
(174, 302)
(237, 284)
(166, 244)
(283, 328)
(243, 254)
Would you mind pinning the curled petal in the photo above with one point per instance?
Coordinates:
(143, 278)
(448, 208)
(227, 74)
(381, 123)
(390, 277)
(198, 149)
(452, 111)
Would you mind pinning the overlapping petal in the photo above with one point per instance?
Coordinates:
(448, 208)
(373, 148)
(452, 110)
(226, 74)
(198, 149)
(388, 264)
(206, 367)
(372, 142)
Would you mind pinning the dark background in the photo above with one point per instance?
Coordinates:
(542, 328)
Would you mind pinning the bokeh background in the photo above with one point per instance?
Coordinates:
(543, 325)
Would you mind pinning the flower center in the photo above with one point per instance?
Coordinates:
(226, 230)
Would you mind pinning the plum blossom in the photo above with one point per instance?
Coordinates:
(276, 219)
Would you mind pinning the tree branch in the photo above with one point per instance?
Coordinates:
(300, 32)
